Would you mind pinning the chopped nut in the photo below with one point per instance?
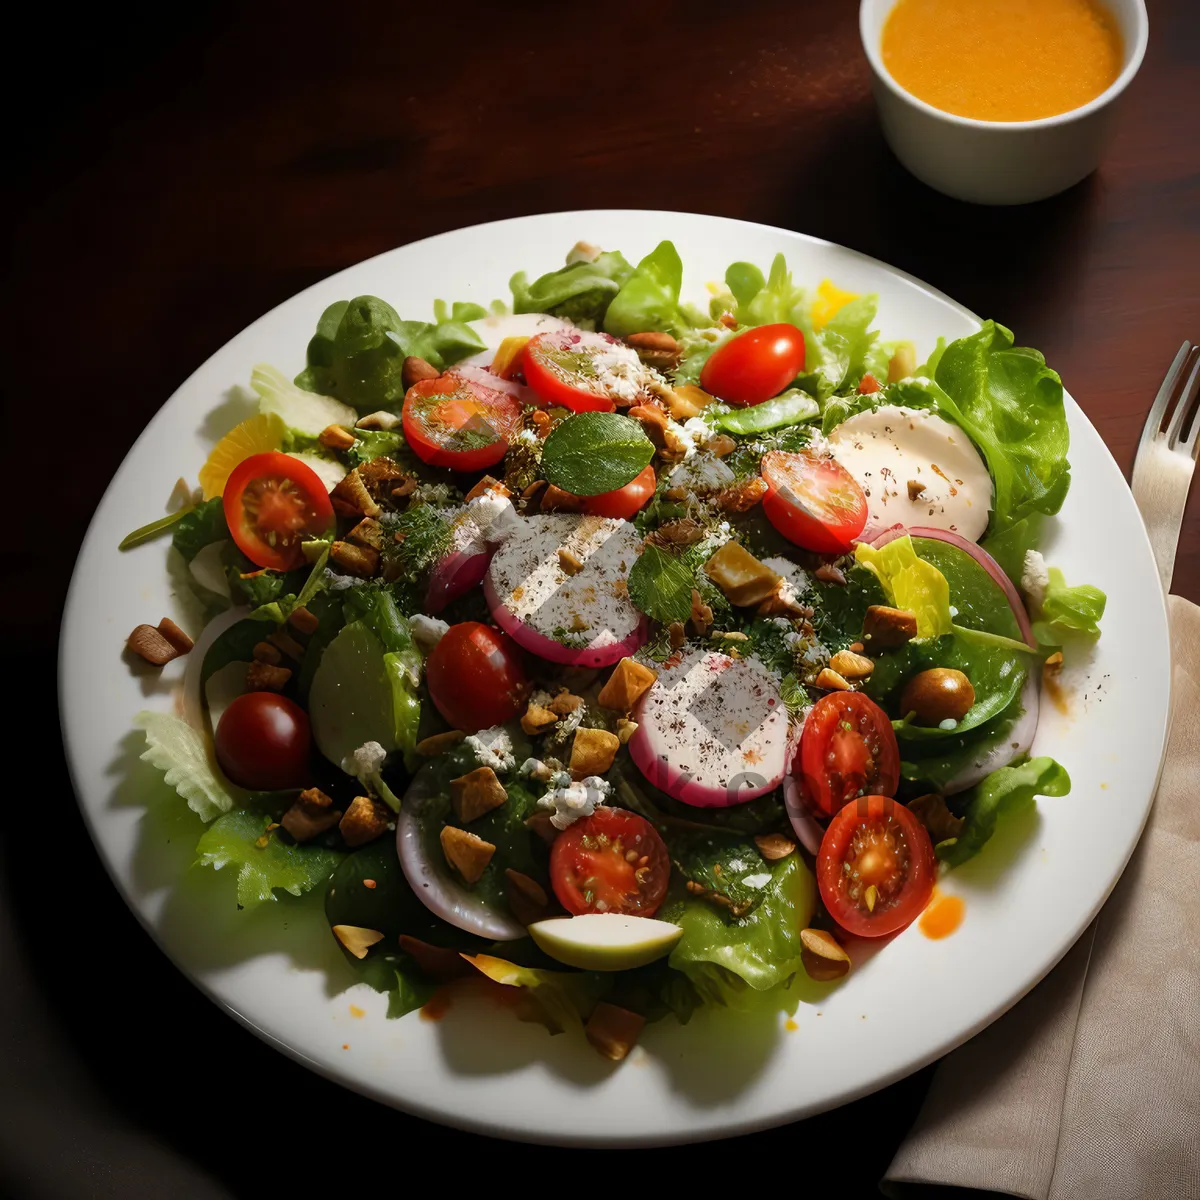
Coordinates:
(485, 485)
(831, 681)
(416, 370)
(541, 824)
(475, 793)
(351, 497)
(888, 627)
(721, 446)
(702, 615)
(932, 812)
(355, 560)
(823, 958)
(262, 677)
(368, 532)
(554, 499)
(467, 854)
(175, 635)
(592, 752)
(743, 579)
(776, 605)
(312, 814)
(671, 534)
(540, 422)
(146, 642)
(915, 488)
(731, 635)
(828, 573)
(404, 488)
(625, 730)
(613, 1031)
(851, 666)
(679, 404)
(742, 497)
(658, 350)
(378, 420)
(903, 362)
(303, 621)
(438, 743)
(565, 702)
(676, 635)
(571, 563)
(537, 719)
(264, 652)
(856, 647)
(532, 493)
(626, 685)
(316, 798)
(526, 897)
(335, 437)
(356, 939)
(653, 421)
(440, 964)
(282, 640)
(364, 821)
(774, 846)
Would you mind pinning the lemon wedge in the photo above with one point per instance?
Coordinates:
(829, 302)
(255, 435)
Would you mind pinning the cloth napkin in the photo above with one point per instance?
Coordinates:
(1090, 1088)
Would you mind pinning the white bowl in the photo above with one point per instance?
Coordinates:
(998, 162)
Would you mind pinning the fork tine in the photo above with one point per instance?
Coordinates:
(1183, 408)
(1150, 431)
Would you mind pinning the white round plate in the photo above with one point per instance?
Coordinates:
(1028, 896)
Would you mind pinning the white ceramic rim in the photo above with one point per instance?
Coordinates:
(1132, 66)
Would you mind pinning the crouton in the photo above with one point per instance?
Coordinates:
(263, 677)
(312, 814)
(303, 621)
(354, 560)
(364, 821)
(626, 685)
(351, 497)
(368, 532)
(565, 703)
(592, 752)
(467, 854)
(475, 793)
(537, 719)
(743, 579)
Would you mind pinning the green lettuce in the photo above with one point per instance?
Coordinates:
(1005, 791)
(263, 863)
(910, 583)
(1009, 547)
(302, 412)
(580, 292)
(185, 758)
(1068, 610)
(649, 298)
(202, 526)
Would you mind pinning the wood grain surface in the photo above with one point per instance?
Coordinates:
(179, 175)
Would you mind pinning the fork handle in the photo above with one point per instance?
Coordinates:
(1160, 486)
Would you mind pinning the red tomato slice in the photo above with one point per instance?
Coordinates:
(476, 677)
(876, 867)
(459, 423)
(582, 371)
(813, 501)
(755, 365)
(273, 504)
(847, 749)
(624, 502)
(262, 742)
(613, 861)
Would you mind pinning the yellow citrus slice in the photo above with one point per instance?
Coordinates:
(829, 302)
(255, 435)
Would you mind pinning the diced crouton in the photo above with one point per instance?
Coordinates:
(336, 437)
(467, 854)
(537, 719)
(351, 497)
(741, 497)
(264, 652)
(613, 1031)
(368, 532)
(303, 621)
(565, 703)
(743, 579)
(626, 685)
(885, 627)
(312, 814)
(356, 939)
(475, 793)
(380, 475)
(439, 743)
(365, 820)
(282, 640)
(316, 798)
(263, 677)
(592, 752)
(354, 560)
(487, 484)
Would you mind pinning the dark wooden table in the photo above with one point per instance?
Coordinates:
(172, 182)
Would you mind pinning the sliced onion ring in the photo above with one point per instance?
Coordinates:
(194, 708)
(455, 575)
(804, 823)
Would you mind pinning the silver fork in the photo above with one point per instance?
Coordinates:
(1165, 462)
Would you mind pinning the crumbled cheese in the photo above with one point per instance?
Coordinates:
(1035, 579)
(814, 654)
(948, 724)
(619, 371)
(819, 445)
(795, 579)
(682, 438)
(432, 493)
(366, 762)
(757, 881)
(568, 803)
(527, 437)
(494, 516)
(701, 473)
(954, 610)
(427, 631)
(493, 748)
(339, 583)
(698, 430)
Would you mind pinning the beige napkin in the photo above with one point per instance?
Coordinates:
(1090, 1088)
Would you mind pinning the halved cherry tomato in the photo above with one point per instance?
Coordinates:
(476, 677)
(813, 501)
(613, 861)
(868, 385)
(581, 371)
(755, 365)
(262, 742)
(273, 504)
(624, 502)
(459, 423)
(847, 749)
(876, 867)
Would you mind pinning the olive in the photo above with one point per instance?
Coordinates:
(937, 695)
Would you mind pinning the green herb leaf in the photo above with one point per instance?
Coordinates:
(661, 586)
(148, 532)
(595, 452)
(791, 408)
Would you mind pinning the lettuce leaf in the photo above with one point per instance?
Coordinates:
(1010, 547)
(304, 412)
(649, 298)
(183, 755)
(563, 999)
(264, 863)
(1066, 610)
(580, 292)
(910, 583)
(1005, 791)
(202, 526)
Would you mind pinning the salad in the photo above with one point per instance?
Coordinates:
(612, 654)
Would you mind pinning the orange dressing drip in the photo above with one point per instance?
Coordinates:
(1059, 696)
(1015, 60)
(790, 1025)
(943, 915)
(437, 1006)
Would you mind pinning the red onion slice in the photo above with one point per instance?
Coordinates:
(454, 575)
(807, 828)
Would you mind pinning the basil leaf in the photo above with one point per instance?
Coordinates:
(595, 452)
(661, 586)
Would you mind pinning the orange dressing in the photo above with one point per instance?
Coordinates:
(790, 1025)
(943, 915)
(437, 1006)
(1002, 60)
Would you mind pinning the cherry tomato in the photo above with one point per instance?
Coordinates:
(459, 423)
(868, 385)
(564, 367)
(847, 749)
(591, 869)
(273, 504)
(624, 502)
(876, 867)
(755, 365)
(476, 677)
(262, 742)
(813, 501)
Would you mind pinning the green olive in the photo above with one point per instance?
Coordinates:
(937, 695)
